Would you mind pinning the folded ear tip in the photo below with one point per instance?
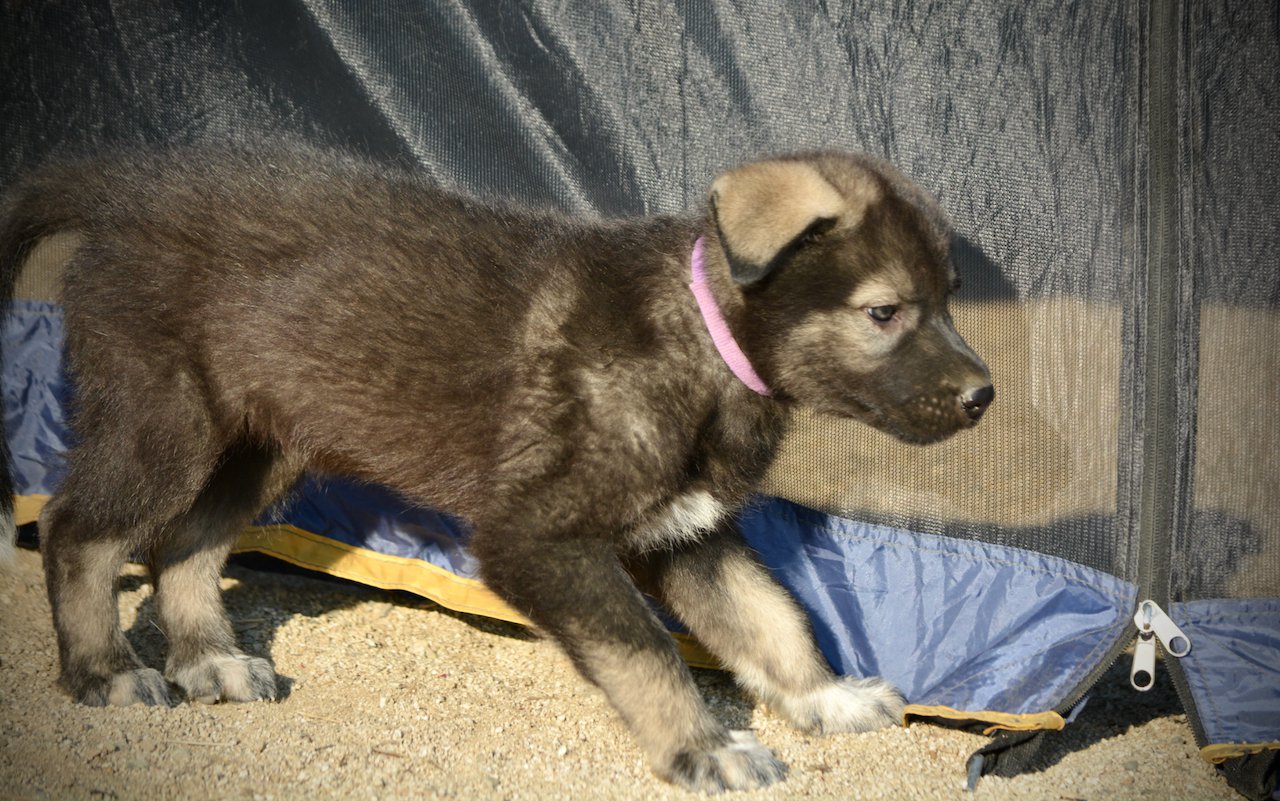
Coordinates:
(745, 273)
(761, 207)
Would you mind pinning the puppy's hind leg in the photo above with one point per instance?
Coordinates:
(577, 591)
(728, 600)
(186, 563)
(146, 449)
(98, 666)
(111, 504)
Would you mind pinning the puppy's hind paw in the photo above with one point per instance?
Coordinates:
(226, 677)
(742, 763)
(845, 705)
(128, 687)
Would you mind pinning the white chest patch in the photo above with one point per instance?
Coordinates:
(687, 517)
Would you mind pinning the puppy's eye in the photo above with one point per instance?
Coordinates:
(882, 314)
(955, 284)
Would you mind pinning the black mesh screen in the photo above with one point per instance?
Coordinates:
(1229, 545)
(1021, 117)
(1028, 141)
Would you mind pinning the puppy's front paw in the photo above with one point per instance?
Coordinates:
(226, 677)
(844, 705)
(742, 763)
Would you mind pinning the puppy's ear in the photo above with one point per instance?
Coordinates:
(763, 210)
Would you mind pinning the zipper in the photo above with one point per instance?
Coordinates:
(1156, 488)
(1154, 626)
(1168, 450)
(1156, 339)
(1160, 490)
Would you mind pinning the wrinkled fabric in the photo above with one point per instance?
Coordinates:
(1232, 669)
(952, 623)
(1018, 115)
(377, 519)
(35, 392)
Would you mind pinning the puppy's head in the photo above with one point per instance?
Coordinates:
(843, 269)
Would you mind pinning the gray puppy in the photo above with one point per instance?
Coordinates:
(237, 316)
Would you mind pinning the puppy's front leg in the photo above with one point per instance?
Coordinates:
(577, 591)
(728, 600)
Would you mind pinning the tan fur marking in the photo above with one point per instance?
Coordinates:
(773, 663)
(844, 333)
(764, 638)
(7, 536)
(86, 610)
(662, 708)
(849, 333)
(763, 206)
(666, 715)
(888, 287)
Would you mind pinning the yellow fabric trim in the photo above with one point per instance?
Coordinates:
(312, 551)
(1031, 721)
(26, 508)
(1221, 752)
(470, 596)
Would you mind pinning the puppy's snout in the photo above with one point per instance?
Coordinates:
(976, 400)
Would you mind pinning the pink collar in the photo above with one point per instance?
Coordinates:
(719, 329)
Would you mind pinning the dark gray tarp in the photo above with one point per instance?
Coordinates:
(1111, 169)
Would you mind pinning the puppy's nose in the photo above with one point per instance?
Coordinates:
(976, 401)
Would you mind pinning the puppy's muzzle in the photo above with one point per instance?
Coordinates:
(976, 400)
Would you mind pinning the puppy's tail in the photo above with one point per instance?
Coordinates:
(33, 208)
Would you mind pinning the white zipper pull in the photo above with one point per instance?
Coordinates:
(1153, 624)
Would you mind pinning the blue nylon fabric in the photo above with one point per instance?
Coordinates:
(378, 519)
(35, 393)
(1233, 668)
(950, 622)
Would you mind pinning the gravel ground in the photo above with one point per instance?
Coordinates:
(389, 696)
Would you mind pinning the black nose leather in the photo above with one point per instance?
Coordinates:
(976, 401)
